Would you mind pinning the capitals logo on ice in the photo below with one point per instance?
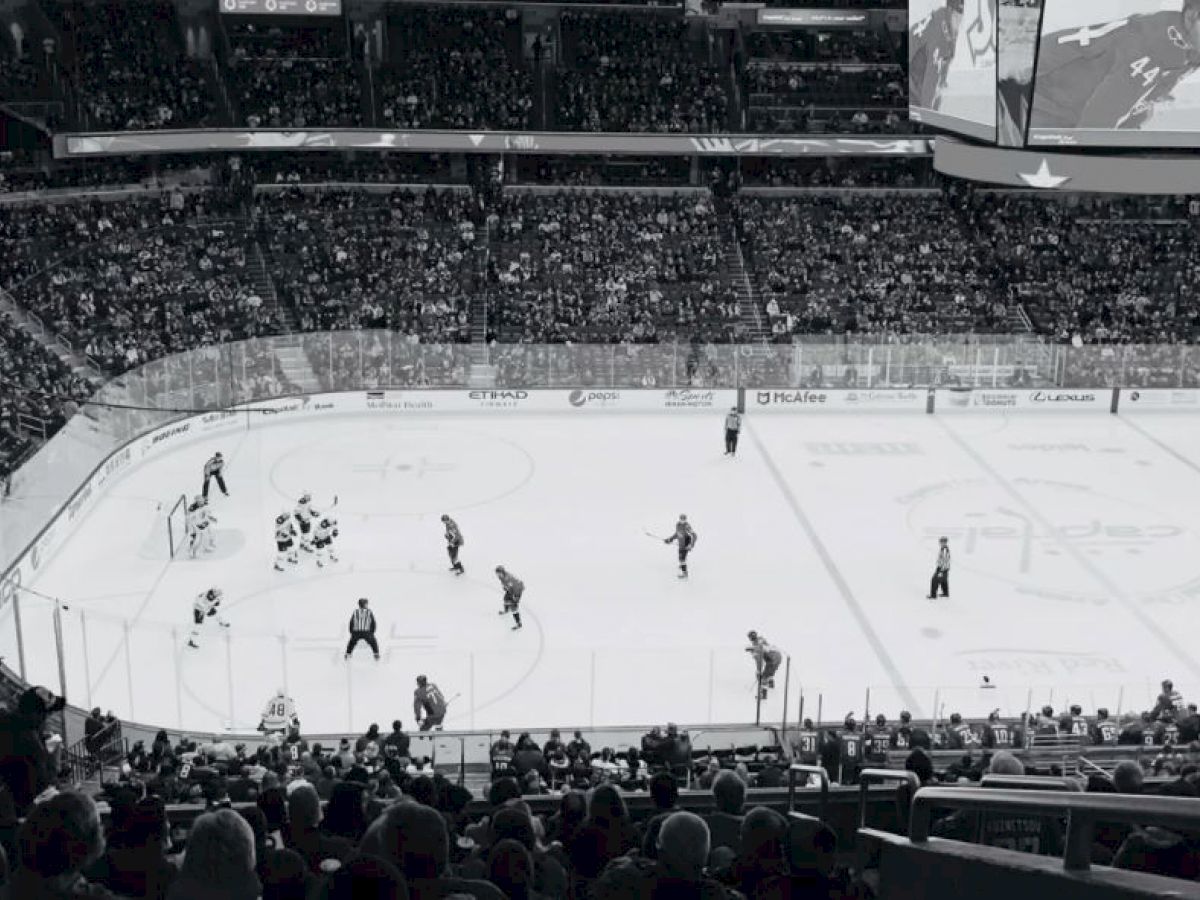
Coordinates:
(594, 398)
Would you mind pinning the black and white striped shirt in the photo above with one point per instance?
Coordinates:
(362, 621)
(943, 560)
(733, 421)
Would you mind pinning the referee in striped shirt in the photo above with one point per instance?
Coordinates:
(362, 628)
(941, 572)
(733, 427)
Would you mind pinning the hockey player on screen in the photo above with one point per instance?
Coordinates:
(323, 535)
(279, 715)
(686, 536)
(933, 41)
(285, 541)
(514, 587)
(198, 523)
(206, 606)
(1110, 75)
(454, 541)
(304, 517)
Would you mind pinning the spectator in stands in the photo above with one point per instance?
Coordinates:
(570, 818)
(346, 814)
(683, 848)
(725, 823)
(759, 864)
(219, 863)
(414, 838)
(26, 766)
(364, 878)
(58, 840)
(664, 794)
(510, 868)
(397, 739)
(607, 833)
(1127, 777)
(284, 875)
(303, 835)
(135, 861)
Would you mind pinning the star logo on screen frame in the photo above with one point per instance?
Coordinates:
(1043, 177)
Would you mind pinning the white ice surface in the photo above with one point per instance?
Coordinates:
(1076, 570)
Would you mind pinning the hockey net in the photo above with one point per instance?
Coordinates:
(177, 526)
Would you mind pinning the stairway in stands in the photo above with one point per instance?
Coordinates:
(734, 262)
(483, 373)
(289, 350)
(55, 345)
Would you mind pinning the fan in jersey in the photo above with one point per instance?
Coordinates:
(686, 536)
(304, 517)
(198, 522)
(323, 535)
(279, 715)
(1110, 75)
(207, 606)
(933, 40)
(285, 541)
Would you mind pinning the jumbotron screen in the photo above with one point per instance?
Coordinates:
(1117, 73)
(952, 65)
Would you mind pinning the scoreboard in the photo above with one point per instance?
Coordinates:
(281, 7)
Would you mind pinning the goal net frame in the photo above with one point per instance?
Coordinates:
(177, 526)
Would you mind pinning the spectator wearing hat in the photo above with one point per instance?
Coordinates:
(58, 840)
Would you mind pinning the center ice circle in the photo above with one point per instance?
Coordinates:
(1135, 546)
(402, 470)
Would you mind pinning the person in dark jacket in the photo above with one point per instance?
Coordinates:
(57, 841)
(26, 766)
(607, 833)
(135, 862)
(302, 835)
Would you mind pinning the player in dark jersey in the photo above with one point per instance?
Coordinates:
(901, 735)
(879, 740)
(1110, 75)
(686, 536)
(1104, 731)
(851, 743)
(808, 744)
(933, 41)
(429, 706)
(514, 587)
(996, 734)
(454, 540)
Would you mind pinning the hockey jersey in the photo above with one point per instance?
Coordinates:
(512, 584)
(197, 517)
(303, 511)
(1110, 75)
(279, 714)
(933, 43)
(684, 534)
(453, 535)
(326, 529)
(284, 531)
(207, 602)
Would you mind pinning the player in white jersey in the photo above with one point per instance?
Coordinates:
(323, 534)
(207, 605)
(304, 517)
(279, 715)
(198, 524)
(285, 544)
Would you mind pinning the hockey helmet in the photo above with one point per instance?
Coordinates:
(499, 569)
(362, 602)
(198, 499)
(849, 722)
(215, 593)
(445, 518)
(753, 635)
(955, 719)
(905, 716)
(422, 680)
(1102, 713)
(682, 517)
(1076, 709)
(881, 720)
(306, 497)
(994, 715)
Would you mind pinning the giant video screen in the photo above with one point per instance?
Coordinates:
(1020, 22)
(952, 65)
(1117, 73)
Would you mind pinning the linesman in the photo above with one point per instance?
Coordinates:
(362, 628)
(733, 427)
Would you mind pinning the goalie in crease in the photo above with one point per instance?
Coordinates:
(198, 522)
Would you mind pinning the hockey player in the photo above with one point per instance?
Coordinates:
(279, 715)
(686, 536)
(941, 570)
(766, 661)
(323, 535)
(1104, 731)
(933, 41)
(197, 522)
(429, 706)
(513, 589)
(304, 517)
(215, 468)
(285, 545)
(996, 734)
(1110, 75)
(454, 541)
(207, 605)
(879, 740)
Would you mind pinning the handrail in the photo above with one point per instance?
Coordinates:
(1027, 782)
(1082, 811)
(867, 777)
(800, 769)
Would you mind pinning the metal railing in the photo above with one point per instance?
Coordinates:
(1083, 811)
(822, 777)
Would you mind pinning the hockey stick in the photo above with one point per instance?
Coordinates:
(657, 537)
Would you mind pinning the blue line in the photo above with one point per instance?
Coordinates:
(839, 581)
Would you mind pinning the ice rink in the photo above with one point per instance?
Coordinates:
(1076, 573)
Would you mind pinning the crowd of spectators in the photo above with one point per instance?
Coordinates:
(456, 69)
(608, 267)
(131, 73)
(802, 45)
(629, 72)
(19, 78)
